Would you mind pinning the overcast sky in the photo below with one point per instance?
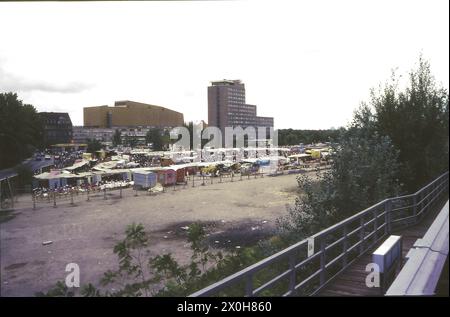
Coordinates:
(307, 63)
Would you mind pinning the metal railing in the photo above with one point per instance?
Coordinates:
(295, 271)
(425, 260)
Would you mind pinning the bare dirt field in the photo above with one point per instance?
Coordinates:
(236, 213)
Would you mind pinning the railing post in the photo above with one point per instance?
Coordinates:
(249, 285)
(11, 192)
(415, 208)
(361, 235)
(422, 199)
(375, 226)
(345, 247)
(292, 275)
(421, 205)
(322, 261)
(435, 192)
(387, 216)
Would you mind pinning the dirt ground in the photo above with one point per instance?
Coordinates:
(236, 214)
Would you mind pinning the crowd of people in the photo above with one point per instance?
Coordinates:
(145, 160)
(65, 159)
(44, 192)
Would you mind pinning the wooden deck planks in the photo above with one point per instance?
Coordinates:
(351, 282)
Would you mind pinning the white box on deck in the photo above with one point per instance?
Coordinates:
(387, 253)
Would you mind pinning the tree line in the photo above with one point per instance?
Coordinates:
(158, 138)
(21, 130)
(295, 137)
(396, 143)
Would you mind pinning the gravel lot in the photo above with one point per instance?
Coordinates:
(237, 213)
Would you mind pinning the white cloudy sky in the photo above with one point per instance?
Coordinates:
(307, 63)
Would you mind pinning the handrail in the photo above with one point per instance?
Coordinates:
(373, 224)
(426, 259)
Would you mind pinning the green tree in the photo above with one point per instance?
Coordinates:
(117, 138)
(93, 146)
(24, 175)
(21, 130)
(155, 136)
(59, 290)
(295, 137)
(396, 143)
(364, 167)
(130, 141)
(133, 272)
(416, 120)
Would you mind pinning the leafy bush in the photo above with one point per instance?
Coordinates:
(364, 169)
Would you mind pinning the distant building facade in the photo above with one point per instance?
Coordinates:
(57, 127)
(131, 114)
(227, 107)
(264, 121)
(133, 135)
(83, 134)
